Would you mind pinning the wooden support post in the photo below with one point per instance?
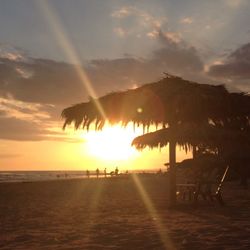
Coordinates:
(172, 173)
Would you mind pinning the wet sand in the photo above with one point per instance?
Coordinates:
(118, 213)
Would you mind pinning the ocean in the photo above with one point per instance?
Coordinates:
(31, 176)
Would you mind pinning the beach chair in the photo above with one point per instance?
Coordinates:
(208, 187)
(211, 188)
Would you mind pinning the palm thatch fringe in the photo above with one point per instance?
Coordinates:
(171, 100)
(187, 135)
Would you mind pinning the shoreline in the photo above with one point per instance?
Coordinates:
(33, 176)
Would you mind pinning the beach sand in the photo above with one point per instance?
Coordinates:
(118, 213)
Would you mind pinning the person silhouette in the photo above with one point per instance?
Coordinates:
(105, 172)
(116, 171)
(87, 173)
(160, 171)
(97, 172)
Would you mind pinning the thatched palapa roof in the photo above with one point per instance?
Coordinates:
(171, 100)
(187, 135)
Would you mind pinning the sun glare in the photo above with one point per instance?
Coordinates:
(112, 143)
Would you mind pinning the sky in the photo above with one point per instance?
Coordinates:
(55, 53)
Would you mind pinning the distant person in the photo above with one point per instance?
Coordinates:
(116, 171)
(97, 172)
(87, 173)
(160, 171)
(105, 172)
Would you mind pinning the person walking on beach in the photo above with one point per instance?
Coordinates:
(116, 171)
(87, 173)
(97, 172)
(105, 172)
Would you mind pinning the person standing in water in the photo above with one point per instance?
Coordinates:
(105, 172)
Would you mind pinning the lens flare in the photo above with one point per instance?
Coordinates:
(64, 42)
(162, 231)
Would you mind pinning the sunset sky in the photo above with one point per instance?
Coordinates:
(117, 44)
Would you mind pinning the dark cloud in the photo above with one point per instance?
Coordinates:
(122, 73)
(176, 55)
(178, 59)
(15, 129)
(53, 111)
(20, 130)
(236, 65)
(49, 81)
(23, 110)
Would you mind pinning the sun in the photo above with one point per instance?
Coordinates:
(112, 143)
